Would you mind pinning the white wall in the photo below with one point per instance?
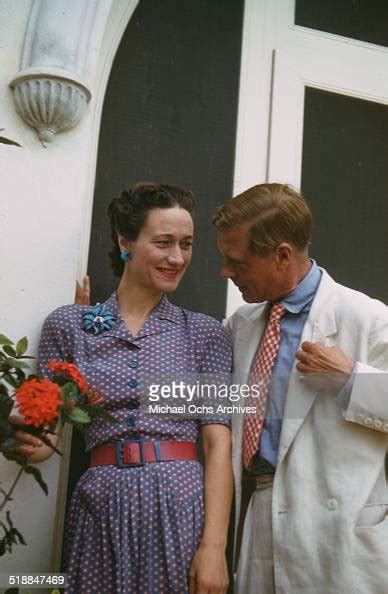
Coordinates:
(45, 213)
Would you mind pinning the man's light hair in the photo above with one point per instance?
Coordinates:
(272, 214)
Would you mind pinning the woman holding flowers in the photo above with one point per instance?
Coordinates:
(143, 518)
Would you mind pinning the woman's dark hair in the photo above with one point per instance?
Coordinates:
(128, 214)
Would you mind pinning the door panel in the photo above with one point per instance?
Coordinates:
(354, 72)
(345, 177)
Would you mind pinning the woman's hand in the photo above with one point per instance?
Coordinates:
(208, 571)
(30, 446)
(82, 292)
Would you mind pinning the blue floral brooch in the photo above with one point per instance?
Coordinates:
(98, 319)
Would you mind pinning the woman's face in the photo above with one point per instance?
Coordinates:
(162, 251)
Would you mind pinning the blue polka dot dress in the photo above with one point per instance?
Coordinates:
(135, 529)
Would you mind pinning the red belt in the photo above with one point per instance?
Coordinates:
(136, 452)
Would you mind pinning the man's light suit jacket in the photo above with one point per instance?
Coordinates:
(330, 494)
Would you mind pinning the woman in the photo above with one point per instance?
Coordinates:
(151, 527)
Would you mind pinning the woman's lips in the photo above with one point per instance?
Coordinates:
(169, 274)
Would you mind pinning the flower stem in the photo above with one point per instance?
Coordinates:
(7, 496)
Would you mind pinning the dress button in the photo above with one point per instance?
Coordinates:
(359, 417)
(368, 421)
(378, 423)
(332, 504)
(385, 427)
(132, 404)
(133, 363)
(132, 383)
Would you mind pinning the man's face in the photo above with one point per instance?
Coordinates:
(257, 276)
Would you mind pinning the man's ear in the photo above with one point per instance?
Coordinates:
(283, 255)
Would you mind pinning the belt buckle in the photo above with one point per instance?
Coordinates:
(119, 452)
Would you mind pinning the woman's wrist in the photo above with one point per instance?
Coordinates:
(213, 543)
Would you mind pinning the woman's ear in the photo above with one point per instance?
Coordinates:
(125, 247)
(124, 244)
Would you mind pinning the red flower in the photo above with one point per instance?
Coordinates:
(70, 371)
(38, 401)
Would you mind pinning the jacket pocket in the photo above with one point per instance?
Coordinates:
(372, 516)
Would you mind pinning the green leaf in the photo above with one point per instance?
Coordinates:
(21, 346)
(5, 428)
(4, 140)
(6, 402)
(10, 380)
(20, 374)
(17, 363)
(4, 396)
(69, 391)
(101, 412)
(5, 340)
(78, 416)
(11, 536)
(37, 476)
(9, 350)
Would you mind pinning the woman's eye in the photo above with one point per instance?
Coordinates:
(162, 242)
(186, 245)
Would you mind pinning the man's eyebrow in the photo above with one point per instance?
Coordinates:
(172, 235)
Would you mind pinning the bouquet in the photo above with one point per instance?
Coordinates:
(42, 403)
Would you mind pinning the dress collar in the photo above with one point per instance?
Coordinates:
(158, 320)
(164, 310)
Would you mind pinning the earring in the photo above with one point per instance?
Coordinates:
(125, 255)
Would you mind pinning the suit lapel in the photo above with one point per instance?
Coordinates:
(247, 336)
(320, 327)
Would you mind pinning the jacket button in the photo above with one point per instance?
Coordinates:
(378, 424)
(368, 421)
(332, 504)
(133, 363)
(385, 427)
(359, 417)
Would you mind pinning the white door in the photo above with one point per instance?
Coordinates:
(281, 62)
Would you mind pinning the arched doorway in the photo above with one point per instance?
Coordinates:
(170, 115)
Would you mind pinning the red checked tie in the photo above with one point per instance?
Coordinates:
(261, 375)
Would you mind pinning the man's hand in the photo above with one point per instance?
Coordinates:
(208, 571)
(323, 367)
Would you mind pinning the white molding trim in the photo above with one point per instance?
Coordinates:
(111, 22)
(113, 25)
(254, 106)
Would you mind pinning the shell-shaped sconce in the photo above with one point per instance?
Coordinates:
(50, 105)
(49, 89)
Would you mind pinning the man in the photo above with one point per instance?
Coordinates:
(317, 522)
